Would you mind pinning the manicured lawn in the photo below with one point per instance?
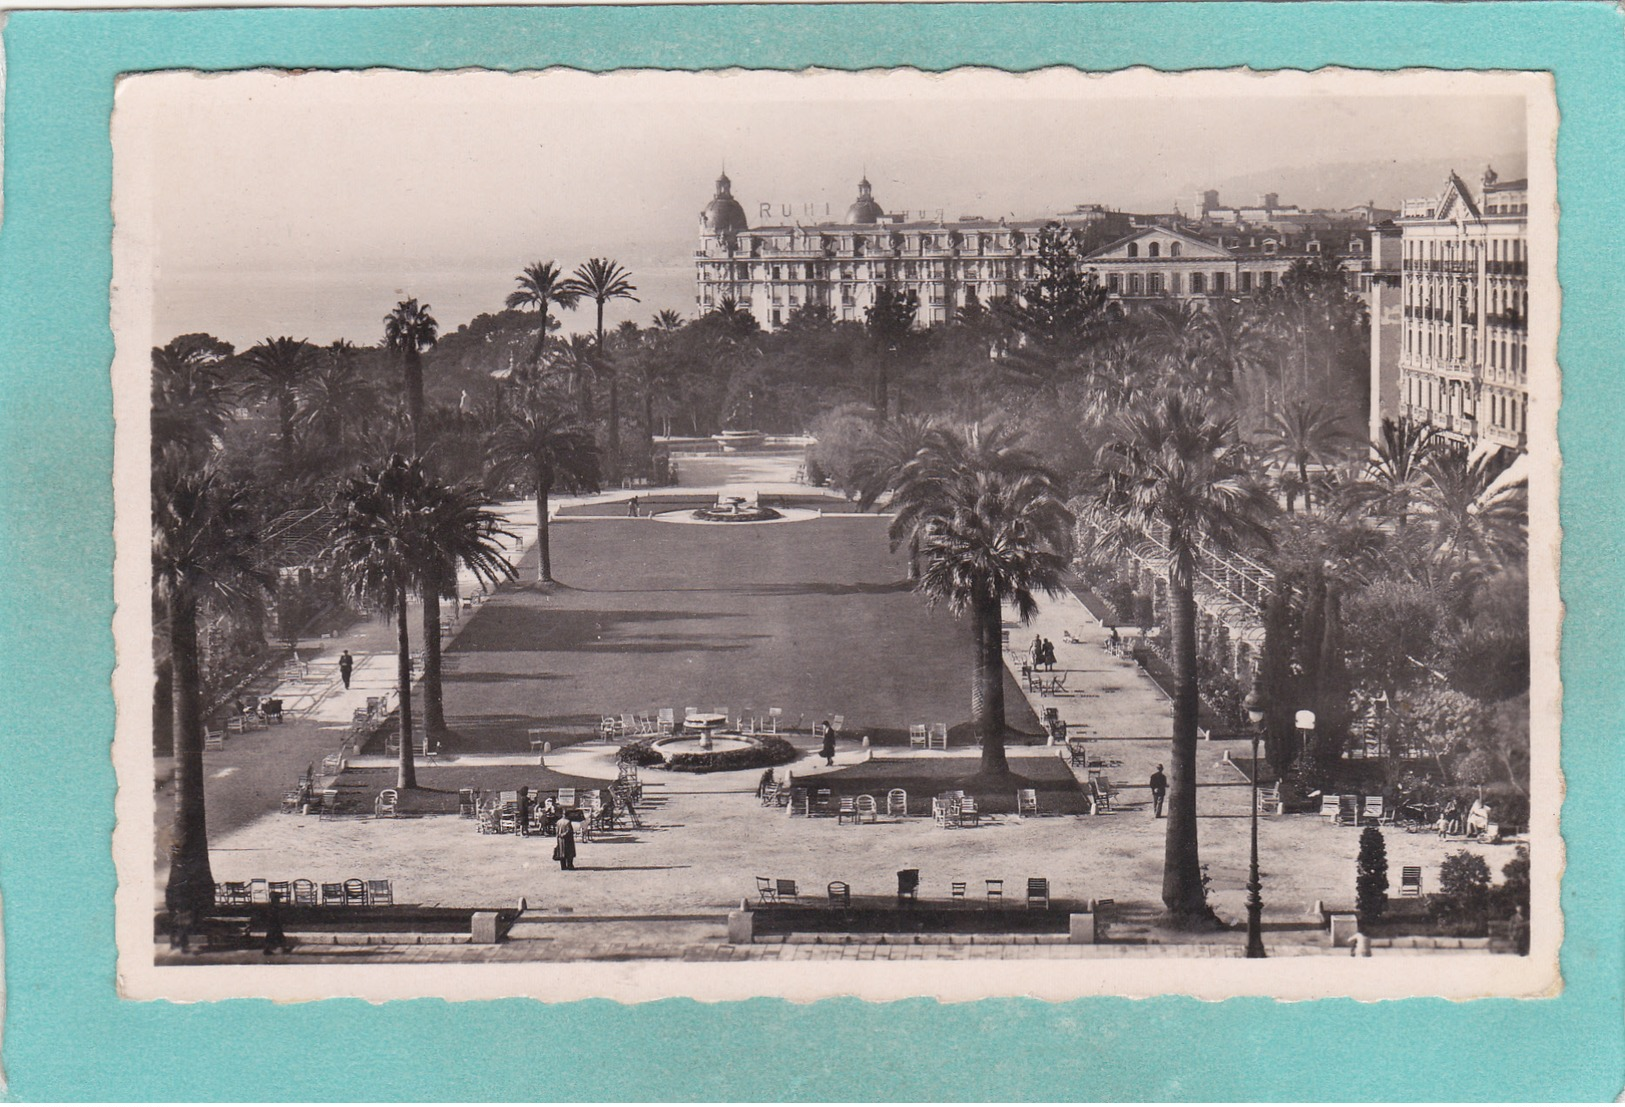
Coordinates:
(815, 617)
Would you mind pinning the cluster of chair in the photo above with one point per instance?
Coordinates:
(1100, 791)
(295, 798)
(665, 722)
(255, 713)
(354, 892)
(823, 802)
(955, 809)
(1348, 810)
(599, 808)
(379, 708)
(923, 737)
(774, 890)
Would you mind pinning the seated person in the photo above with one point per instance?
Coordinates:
(547, 818)
(1478, 818)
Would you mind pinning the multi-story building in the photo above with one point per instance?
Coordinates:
(1464, 354)
(773, 271)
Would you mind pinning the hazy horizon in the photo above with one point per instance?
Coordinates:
(309, 205)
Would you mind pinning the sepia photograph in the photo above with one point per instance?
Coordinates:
(742, 533)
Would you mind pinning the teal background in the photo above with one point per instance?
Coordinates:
(67, 1036)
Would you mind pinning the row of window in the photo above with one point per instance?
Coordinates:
(1416, 250)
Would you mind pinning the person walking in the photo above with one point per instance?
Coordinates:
(1159, 792)
(1049, 655)
(827, 750)
(1037, 651)
(346, 667)
(565, 851)
(523, 821)
(632, 508)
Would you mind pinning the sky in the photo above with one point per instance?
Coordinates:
(310, 204)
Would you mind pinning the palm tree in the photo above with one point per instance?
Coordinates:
(579, 363)
(191, 399)
(336, 398)
(409, 330)
(1477, 521)
(994, 530)
(543, 286)
(882, 460)
(458, 528)
(542, 443)
(1169, 469)
(202, 547)
(378, 551)
(667, 320)
(279, 366)
(602, 280)
(1302, 434)
(1234, 346)
(1396, 465)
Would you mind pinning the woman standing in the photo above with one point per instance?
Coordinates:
(565, 851)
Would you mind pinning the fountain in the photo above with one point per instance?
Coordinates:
(736, 509)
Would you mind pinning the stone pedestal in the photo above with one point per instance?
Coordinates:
(483, 932)
(1080, 928)
(1343, 929)
(741, 927)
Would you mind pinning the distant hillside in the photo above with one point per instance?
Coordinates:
(1352, 183)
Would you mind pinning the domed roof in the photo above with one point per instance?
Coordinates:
(864, 209)
(723, 216)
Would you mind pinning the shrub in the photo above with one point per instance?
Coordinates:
(1371, 878)
(642, 754)
(763, 752)
(1461, 906)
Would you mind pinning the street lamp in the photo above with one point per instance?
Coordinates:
(1255, 901)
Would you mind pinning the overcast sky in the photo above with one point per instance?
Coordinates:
(309, 205)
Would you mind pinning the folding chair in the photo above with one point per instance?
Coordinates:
(939, 736)
(840, 893)
(1027, 801)
(847, 810)
(766, 891)
(785, 889)
(380, 893)
(995, 891)
(1410, 880)
(897, 802)
(1037, 891)
(916, 736)
(628, 726)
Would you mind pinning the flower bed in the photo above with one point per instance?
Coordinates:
(762, 752)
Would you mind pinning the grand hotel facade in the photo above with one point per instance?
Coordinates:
(772, 271)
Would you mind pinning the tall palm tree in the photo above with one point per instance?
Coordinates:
(191, 399)
(994, 529)
(578, 363)
(1301, 434)
(336, 398)
(202, 545)
(458, 529)
(1477, 521)
(602, 280)
(543, 286)
(542, 443)
(409, 330)
(1171, 469)
(1234, 345)
(278, 367)
(882, 459)
(378, 551)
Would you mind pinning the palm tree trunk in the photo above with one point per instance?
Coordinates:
(406, 775)
(649, 417)
(544, 552)
(285, 414)
(191, 881)
(987, 684)
(412, 370)
(1182, 892)
(914, 561)
(613, 442)
(434, 711)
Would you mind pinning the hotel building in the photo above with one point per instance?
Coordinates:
(1464, 287)
(774, 270)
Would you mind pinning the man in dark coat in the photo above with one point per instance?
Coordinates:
(346, 667)
(565, 851)
(827, 751)
(1159, 792)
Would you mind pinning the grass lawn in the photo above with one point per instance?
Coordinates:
(815, 617)
(923, 778)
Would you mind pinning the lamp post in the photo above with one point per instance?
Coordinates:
(1255, 901)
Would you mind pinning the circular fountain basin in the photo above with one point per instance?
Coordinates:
(718, 743)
